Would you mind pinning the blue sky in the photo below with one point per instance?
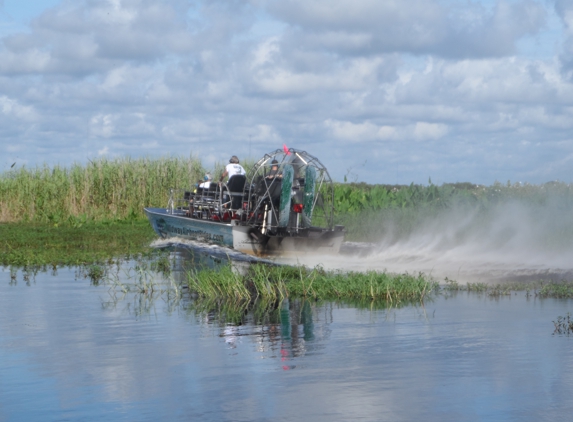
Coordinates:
(383, 91)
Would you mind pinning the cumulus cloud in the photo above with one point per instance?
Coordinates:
(366, 27)
(359, 132)
(564, 9)
(13, 109)
(427, 88)
(89, 36)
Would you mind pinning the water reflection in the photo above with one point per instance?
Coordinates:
(287, 332)
(73, 350)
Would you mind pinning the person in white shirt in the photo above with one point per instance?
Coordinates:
(207, 181)
(232, 169)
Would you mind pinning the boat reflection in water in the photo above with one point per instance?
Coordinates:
(288, 332)
(282, 330)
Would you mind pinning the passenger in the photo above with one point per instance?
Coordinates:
(232, 169)
(274, 173)
(199, 188)
(207, 181)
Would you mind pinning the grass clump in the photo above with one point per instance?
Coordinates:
(276, 283)
(563, 325)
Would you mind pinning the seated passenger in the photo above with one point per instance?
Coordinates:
(206, 181)
(274, 173)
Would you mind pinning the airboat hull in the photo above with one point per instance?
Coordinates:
(168, 224)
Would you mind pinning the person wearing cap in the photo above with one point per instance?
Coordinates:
(206, 181)
(274, 173)
(232, 169)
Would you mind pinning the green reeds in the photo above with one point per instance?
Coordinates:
(272, 283)
(120, 188)
(372, 285)
(102, 190)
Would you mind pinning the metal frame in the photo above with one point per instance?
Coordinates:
(259, 190)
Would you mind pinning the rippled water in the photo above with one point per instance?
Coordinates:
(70, 350)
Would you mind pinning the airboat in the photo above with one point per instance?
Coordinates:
(283, 205)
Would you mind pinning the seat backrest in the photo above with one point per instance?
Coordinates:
(237, 183)
(212, 191)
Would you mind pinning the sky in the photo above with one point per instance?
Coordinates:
(381, 91)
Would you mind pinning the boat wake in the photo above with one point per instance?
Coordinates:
(208, 250)
(511, 242)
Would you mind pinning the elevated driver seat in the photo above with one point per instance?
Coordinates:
(236, 185)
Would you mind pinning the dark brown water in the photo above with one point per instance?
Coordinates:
(70, 350)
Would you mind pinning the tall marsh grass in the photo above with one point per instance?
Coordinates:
(119, 189)
(102, 190)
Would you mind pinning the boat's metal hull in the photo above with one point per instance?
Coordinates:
(167, 224)
(241, 238)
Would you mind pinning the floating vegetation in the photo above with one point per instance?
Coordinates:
(96, 273)
(142, 278)
(453, 286)
(563, 325)
(274, 283)
(541, 289)
(563, 290)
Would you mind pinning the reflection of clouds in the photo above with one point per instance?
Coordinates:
(231, 335)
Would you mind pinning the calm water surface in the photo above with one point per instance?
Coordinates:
(70, 350)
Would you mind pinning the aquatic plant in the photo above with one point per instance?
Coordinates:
(96, 273)
(563, 325)
(563, 290)
(537, 288)
(274, 283)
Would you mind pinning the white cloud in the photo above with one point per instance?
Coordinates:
(12, 108)
(359, 132)
(424, 131)
(102, 125)
(348, 79)
(419, 27)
